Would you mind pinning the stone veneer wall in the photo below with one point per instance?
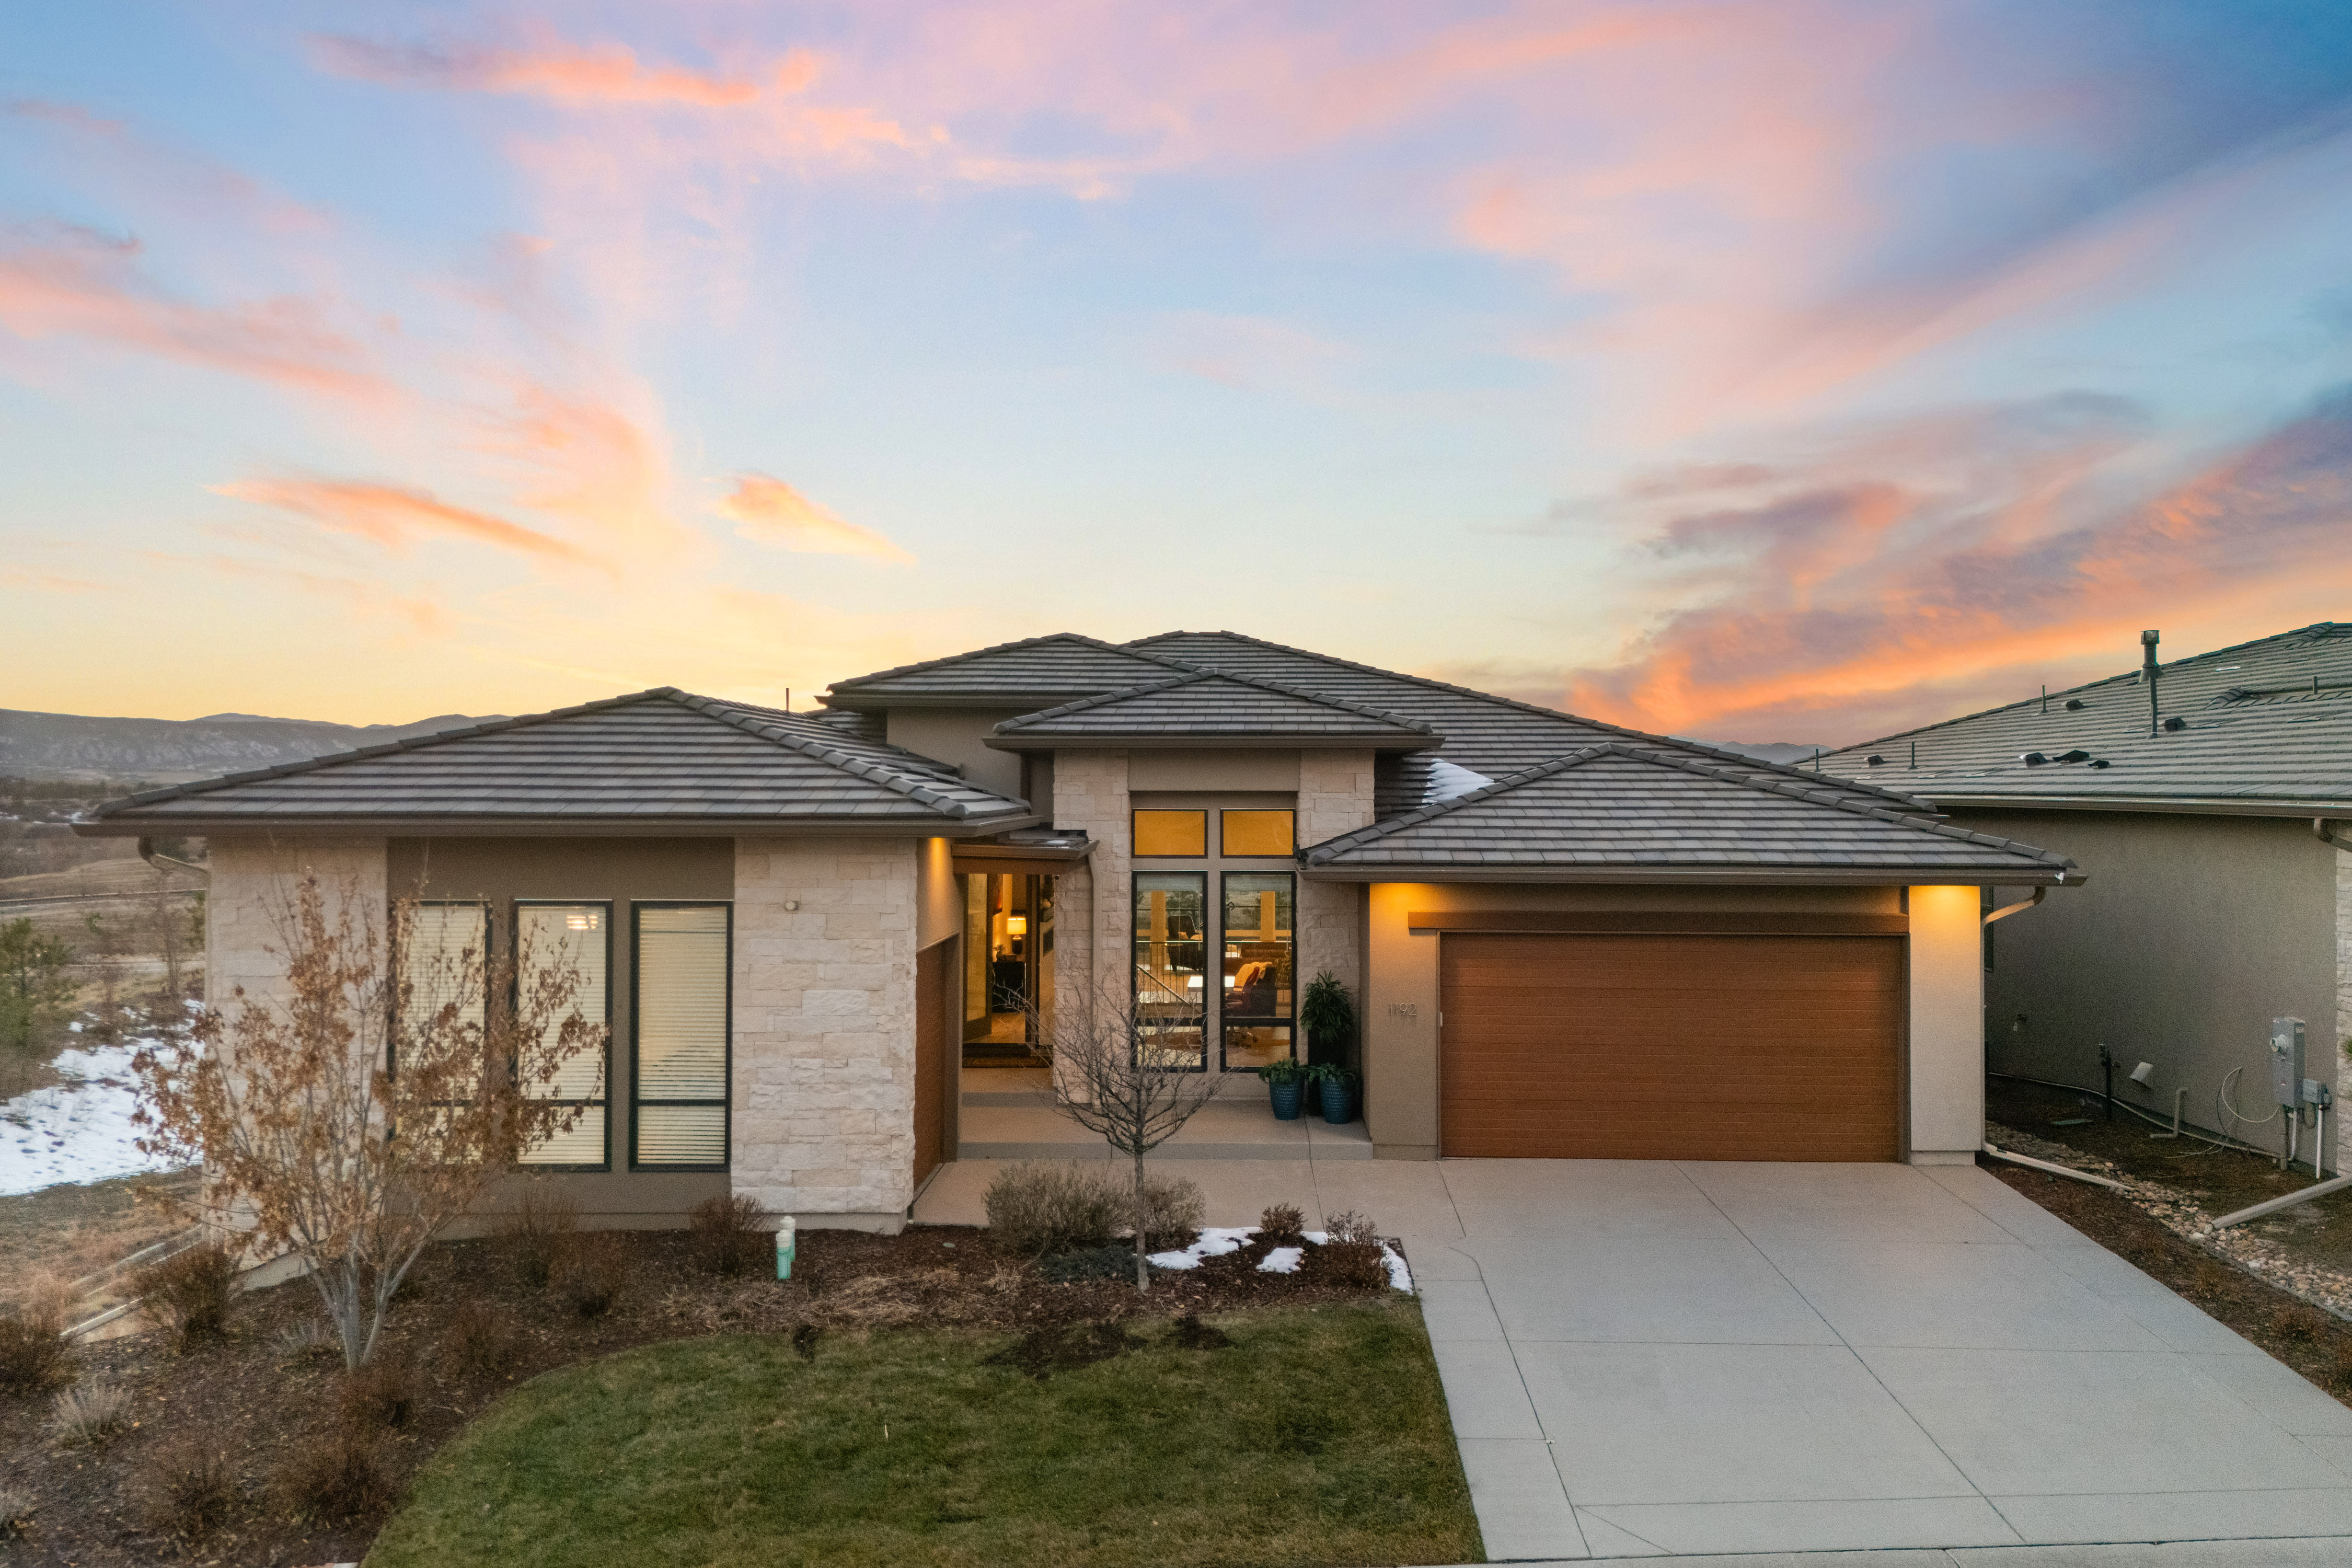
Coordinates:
(825, 1028)
(1091, 920)
(253, 889)
(1335, 797)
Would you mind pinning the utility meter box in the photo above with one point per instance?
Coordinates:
(2287, 1061)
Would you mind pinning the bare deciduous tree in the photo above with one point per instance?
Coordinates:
(1113, 1076)
(350, 1117)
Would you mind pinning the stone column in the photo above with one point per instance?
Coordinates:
(823, 1087)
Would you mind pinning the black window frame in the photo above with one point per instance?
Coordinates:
(1289, 1020)
(727, 1097)
(1226, 853)
(515, 994)
(1135, 892)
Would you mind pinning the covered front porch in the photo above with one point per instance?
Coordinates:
(1007, 1113)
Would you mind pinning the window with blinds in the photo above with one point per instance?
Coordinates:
(441, 943)
(681, 1004)
(576, 937)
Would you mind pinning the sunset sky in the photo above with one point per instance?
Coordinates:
(1762, 370)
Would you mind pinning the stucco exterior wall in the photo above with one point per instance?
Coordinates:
(253, 889)
(960, 736)
(825, 1028)
(1399, 1001)
(1335, 797)
(1945, 981)
(2190, 935)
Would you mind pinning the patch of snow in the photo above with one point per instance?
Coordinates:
(78, 1130)
(1215, 1242)
(1400, 1276)
(1447, 780)
(1218, 1240)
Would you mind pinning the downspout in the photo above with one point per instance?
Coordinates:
(147, 853)
(2007, 910)
(2319, 830)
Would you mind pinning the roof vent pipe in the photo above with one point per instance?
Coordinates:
(2148, 672)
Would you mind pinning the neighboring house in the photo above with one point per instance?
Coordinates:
(2222, 898)
(812, 930)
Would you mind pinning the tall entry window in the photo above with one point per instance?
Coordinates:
(1260, 978)
(681, 997)
(1008, 955)
(556, 937)
(1170, 967)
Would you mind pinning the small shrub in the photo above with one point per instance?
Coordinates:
(480, 1339)
(1173, 1208)
(91, 1411)
(731, 1235)
(190, 1485)
(15, 1510)
(381, 1394)
(2297, 1323)
(1282, 1223)
(189, 1293)
(1037, 1207)
(538, 1230)
(1350, 1255)
(307, 1339)
(591, 1272)
(1116, 1262)
(339, 1478)
(32, 1355)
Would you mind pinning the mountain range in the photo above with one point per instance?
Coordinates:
(168, 750)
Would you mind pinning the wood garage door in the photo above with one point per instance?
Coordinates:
(1670, 1047)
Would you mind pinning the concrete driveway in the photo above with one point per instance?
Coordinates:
(1647, 1358)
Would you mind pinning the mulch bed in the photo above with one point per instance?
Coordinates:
(243, 1397)
(2316, 1342)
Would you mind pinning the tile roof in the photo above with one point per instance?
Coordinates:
(1618, 812)
(1209, 709)
(1050, 669)
(2262, 724)
(663, 760)
(1484, 733)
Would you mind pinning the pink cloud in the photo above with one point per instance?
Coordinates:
(769, 511)
(1847, 606)
(569, 74)
(82, 285)
(396, 516)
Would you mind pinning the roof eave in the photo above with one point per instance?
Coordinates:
(1267, 740)
(1713, 876)
(540, 827)
(2183, 806)
(1024, 701)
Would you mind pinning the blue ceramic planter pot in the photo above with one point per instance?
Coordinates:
(1285, 1100)
(1338, 1107)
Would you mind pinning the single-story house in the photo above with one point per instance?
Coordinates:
(2212, 795)
(1565, 939)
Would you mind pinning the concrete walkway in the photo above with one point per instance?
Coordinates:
(1649, 1359)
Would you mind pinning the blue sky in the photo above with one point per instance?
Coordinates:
(1766, 371)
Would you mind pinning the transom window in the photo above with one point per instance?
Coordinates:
(1172, 835)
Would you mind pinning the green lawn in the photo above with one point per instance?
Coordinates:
(1315, 1437)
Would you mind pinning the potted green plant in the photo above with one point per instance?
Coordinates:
(1327, 1012)
(1335, 1087)
(1286, 1080)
